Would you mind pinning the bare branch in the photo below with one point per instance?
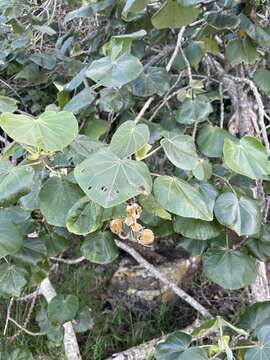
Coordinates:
(68, 261)
(144, 109)
(181, 293)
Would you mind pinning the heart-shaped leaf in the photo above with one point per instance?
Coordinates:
(56, 198)
(180, 198)
(262, 350)
(12, 280)
(7, 104)
(115, 73)
(15, 182)
(173, 16)
(193, 110)
(129, 138)
(100, 248)
(61, 309)
(84, 217)
(247, 157)
(11, 239)
(222, 20)
(210, 140)
(180, 150)
(109, 180)
(51, 131)
(196, 229)
(172, 346)
(229, 269)
(242, 215)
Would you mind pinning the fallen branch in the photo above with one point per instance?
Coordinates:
(71, 346)
(178, 291)
(145, 350)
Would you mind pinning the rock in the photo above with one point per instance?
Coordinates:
(134, 287)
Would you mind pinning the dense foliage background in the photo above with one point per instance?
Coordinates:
(125, 126)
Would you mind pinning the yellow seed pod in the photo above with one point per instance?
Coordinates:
(134, 211)
(136, 227)
(146, 237)
(116, 226)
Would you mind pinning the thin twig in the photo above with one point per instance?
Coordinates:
(68, 261)
(177, 48)
(8, 315)
(144, 109)
(25, 330)
(153, 270)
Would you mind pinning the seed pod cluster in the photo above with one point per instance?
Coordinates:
(145, 237)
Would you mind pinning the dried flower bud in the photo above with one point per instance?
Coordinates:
(129, 221)
(116, 226)
(136, 227)
(146, 237)
(134, 211)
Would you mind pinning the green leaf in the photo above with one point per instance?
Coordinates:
(180, 198)
(222, 20)
(155, 81)
(262, 349)
(193, 110)
(55, 244)
(262, 80)
(56, 198)
(96, 128)
(61, 309)
(11, 239)
(228, 268)
(193, 247)
(12, 280)
(254, 31)
(84, 217)
(242, 215)
(116, 73)
(196, 229)
(247, 157)
(173, 346)
(7, 104)
(83, 321)
(44, 29)
(44, 60)
(82, 147)
(32, 251)
(203, 170)
(120, 45)
(241, 51)
(15, 214)
(115, 100)
(100, 248)
(259, 249)
(180, 150)
(210, 140)
(15, 182)
(51, 131)
(129, 138)
(80, 101)
(255, 316)
(150, 204)
(109, 180)
(173, 16)
(133, 8)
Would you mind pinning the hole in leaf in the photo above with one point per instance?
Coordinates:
(104, 188)
(142, 188)
(89, 187)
